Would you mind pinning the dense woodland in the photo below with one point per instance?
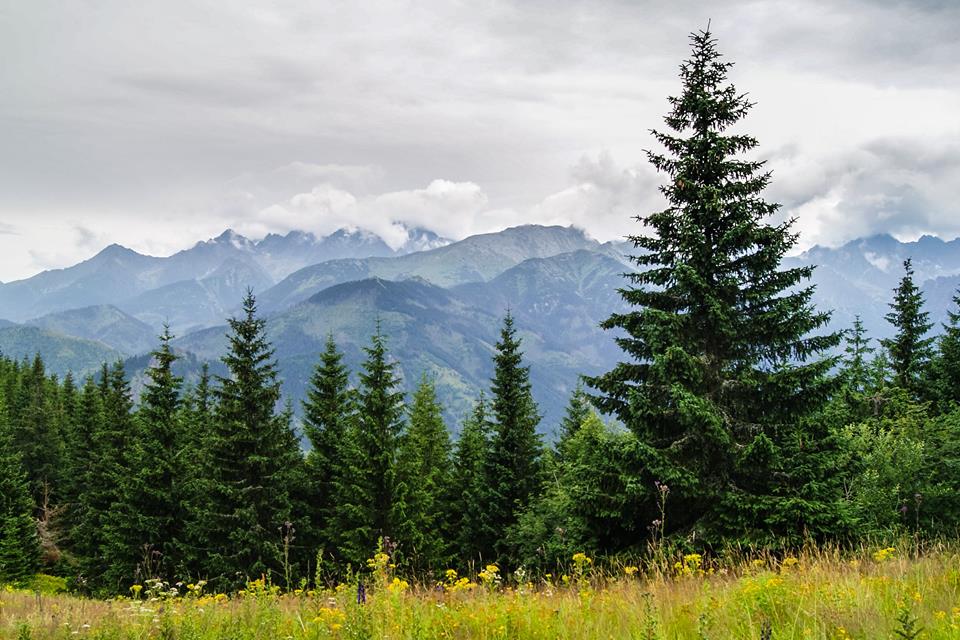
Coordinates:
(735, 418)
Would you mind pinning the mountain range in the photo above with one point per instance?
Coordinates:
(440, 303)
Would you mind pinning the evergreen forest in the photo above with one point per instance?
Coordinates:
(735, 419)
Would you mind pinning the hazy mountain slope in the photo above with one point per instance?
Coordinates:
(475, 259)
(429, 330)
(103, 323)
(563, 298)
(859, 277)
(60, 353)
(191, 304)
(939, 294)
(117, 274)
(282, 255)
(558, 303)
(112, 274)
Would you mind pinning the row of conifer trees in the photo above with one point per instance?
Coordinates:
(210, 481)
(740, 421)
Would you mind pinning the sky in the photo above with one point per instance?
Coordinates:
(158, 123)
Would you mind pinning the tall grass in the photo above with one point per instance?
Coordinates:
(815, 594)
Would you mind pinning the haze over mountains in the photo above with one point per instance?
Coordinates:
(439, 302)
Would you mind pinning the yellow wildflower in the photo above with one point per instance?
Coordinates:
(882, 555)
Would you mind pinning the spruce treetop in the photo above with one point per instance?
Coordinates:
(910, 349)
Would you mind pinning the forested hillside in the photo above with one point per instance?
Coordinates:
(737, 416)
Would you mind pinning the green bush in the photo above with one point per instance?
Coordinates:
(47, 584)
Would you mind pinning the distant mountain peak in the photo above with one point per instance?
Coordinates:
(232, 237)
(422, 239)
(114, 250)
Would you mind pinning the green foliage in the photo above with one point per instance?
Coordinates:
(945, 368)
(725, 362)
(592, 499)
(243, 501)
(468, 517)
(578, 410)
(855, 365)
(910, 349)
(327, 415)
(424, 460)
(48, 585)
(105, 427)
(35, 429)
(512, 466)
(369, 497)
(19, 546)
(908, 628)
(885, 476)
(144, 527)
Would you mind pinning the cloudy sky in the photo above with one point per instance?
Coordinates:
(158, 123)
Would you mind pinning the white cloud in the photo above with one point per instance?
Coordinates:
(904, 187)
(154, 124)
(603, 198)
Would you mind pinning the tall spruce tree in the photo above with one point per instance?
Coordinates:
(196, 408)
(195, 420)
(144, 526)
(910, 349)
(723, 364)
(105, 418)
(468, 514)
(19, 544)
(36, 430)
(513, 463)
(327, 413)
(369, 495)
(70, 398)
(238, 515)
(425, 470)
(945, 368)
(87, 497)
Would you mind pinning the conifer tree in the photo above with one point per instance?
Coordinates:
(909, 350)
(589, 502)
(88, 497)
(723, 361)
(144, 525)
(856, 361)
(196, 408)
(196, 424)
(107, 421)
(852, 404)
(468, 511)
(945, 368)
(327, 413)
(513, 462)
(69, 410)
(36, 430)
(117, 404)
(19, 545)
(578, 410)
(369, 495)
(425, 471)
(238, 518)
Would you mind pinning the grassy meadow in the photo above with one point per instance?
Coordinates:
(877, 593)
